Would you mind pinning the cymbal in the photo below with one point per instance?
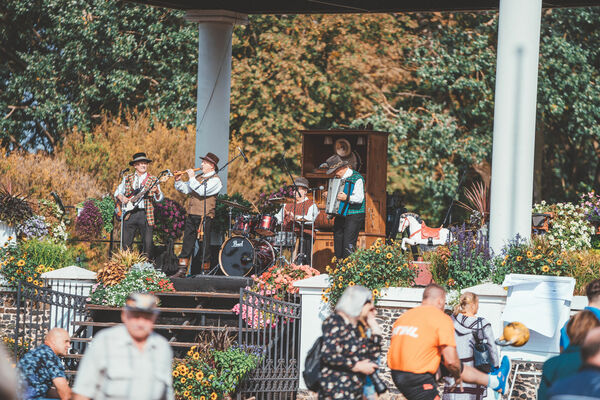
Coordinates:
(233, 204)
(303, 220)
(280, 200)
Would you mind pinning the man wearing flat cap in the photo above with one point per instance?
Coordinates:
(141, 218)
(302, 208)
(346, 228)
(203, 190)
(128, 361)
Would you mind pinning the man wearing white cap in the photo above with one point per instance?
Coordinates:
(128, 361)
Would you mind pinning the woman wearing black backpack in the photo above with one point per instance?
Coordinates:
(347, 354)
(473, 335)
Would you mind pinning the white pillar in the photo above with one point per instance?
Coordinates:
(215, 28)
(514, 120)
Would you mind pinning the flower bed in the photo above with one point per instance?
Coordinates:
(213, 374)
(277, 282)
(28, 260)
(142, 277)
(381, 265)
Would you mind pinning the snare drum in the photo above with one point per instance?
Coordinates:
(244, 225)
(266, 225)
(284, 239)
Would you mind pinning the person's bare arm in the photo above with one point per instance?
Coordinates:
(62, 388)
(452, 363)
(79, 397)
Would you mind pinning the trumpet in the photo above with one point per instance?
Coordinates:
(180, 173)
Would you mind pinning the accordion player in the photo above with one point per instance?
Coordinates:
(346, 203)
(333, 205)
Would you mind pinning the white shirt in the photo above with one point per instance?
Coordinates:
(113, 367)
(135, 184)
(212, 187)
(311, 213)
(358, 193)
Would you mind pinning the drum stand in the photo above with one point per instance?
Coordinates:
(229, 229)
(301, 257)
(281, 260)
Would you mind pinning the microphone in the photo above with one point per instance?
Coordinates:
(123, 171)
(318, 188)
(242, 154)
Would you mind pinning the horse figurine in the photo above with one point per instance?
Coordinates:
(419, 233)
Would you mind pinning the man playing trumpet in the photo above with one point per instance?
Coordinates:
(203, 190)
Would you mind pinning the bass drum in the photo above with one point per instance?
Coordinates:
(239, 255)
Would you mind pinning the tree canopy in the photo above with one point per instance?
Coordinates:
(65, 62)
(69, 66)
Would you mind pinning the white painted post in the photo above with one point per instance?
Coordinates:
(70, 280)
(215, 29)
(514, 120)
(314, 312)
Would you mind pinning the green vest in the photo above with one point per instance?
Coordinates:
(355, 208)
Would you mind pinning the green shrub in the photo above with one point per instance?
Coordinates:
(381, 265)
(537, 258)
(50, 254)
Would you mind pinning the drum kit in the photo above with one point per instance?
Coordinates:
(253, 241)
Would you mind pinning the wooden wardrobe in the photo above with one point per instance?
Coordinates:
(368, 150)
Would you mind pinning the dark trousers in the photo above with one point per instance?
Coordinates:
(137, 222)
(345, 234)
(190, 235)
(416, 386)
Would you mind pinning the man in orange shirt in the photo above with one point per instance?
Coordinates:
(421, 339)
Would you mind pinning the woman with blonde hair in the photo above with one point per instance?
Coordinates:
(468, 330)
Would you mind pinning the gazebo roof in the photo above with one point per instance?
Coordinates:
(346, 6)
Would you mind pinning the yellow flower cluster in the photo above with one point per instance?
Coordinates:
(188, 374)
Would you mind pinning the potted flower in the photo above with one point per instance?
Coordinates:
(14, 209)
(169, 217)
(89, 222)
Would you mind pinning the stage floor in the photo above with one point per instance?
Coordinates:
(211, 283)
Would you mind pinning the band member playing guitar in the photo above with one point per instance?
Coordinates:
(203, 190)
(346, 228)
(302, 209)
(141, 217)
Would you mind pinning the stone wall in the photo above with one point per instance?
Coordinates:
(8, 313)
(525, 387)
(34, 320)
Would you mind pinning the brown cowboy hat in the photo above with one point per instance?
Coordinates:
(210, 157)
(139, 157)
(301, 182)
(334, 163)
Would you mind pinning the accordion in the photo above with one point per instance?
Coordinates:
(333, 206)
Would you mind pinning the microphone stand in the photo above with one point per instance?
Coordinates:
(217, 170)
(312, 230)
(296, 195)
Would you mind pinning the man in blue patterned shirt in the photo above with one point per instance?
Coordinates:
(42, 370)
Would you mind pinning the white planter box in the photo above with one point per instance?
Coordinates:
(7, 232)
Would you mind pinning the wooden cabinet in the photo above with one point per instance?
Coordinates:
(368, 151)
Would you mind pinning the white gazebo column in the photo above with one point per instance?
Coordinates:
(215, 29)
(514, 120)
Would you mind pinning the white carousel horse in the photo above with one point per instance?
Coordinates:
(419, 233)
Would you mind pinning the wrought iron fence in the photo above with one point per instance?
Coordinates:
(273, 325)
(40, 309)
